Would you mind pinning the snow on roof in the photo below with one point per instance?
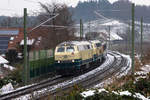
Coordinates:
(39, 38)
(114, 36)
(114, 22)
(9, 32)
(29, 42)
(3, 61)
(11, 38)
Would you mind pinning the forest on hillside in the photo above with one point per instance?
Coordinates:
(118, 10)
(85, 11)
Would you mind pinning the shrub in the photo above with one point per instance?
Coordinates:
(14, 77)
(143, 86)
(11, 56)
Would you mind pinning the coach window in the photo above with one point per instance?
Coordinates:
(70, 49)
(61, 49)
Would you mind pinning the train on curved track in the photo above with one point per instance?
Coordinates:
(76, 56)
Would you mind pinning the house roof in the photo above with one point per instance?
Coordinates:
(9, 32)
(34, 38)
(3, 61)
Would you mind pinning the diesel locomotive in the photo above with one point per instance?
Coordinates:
(73, 57)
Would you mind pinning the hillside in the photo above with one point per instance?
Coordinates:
(118, 10)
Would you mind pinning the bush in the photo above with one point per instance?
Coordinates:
(109, 96)
(11, 56)
(143, 86)
(14, 77)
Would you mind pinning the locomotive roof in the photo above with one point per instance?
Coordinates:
(72, 43)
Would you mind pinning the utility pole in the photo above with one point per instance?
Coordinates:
(109, 36)
(141, 38)
(54, 24)
(81, 29)
(129, 39)
(133, 6)
(25, 48)
(89, 26)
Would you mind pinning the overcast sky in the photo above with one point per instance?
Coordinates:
(15, 7)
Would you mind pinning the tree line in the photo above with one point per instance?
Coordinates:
(120, 9)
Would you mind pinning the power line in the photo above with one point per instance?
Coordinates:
(60, 26)
(43, 23)
(115, 10)
(100, 15)
(7, 9)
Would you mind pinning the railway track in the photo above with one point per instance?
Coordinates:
(95, 78)
(108, 73)
(51, 85)
(98, 77)
(29, 89)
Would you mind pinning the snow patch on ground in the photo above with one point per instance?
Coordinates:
(137, 95)
(9, 67)
(144, 70)
(26, 97)
(143, 73)
(91, 92)
(88, 93)
(6, 88)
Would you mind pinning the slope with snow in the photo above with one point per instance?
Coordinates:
(102, 26)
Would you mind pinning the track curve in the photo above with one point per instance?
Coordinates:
(114, 62)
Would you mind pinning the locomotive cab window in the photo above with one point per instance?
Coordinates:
(98, 44)
(61, 49)
(70, 49)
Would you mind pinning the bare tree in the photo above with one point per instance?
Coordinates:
(59, 29)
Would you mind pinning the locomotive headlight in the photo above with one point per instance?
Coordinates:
(72, 60)
(58, 61)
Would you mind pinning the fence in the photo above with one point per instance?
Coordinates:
(41, 62)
